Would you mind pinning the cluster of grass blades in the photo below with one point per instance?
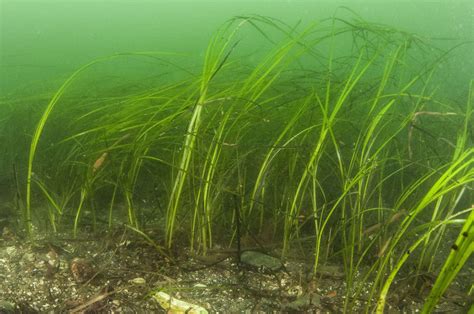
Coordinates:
(317, 140)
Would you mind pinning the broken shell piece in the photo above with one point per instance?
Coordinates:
(52, 258)
(139, 281)
(52, 263)
(173, 305)
(295, 291)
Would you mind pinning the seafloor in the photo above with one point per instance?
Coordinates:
(120, 272)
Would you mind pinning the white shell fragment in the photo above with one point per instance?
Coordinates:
(139, 281)
(173, 305)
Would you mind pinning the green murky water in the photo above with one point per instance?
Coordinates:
(335, 135)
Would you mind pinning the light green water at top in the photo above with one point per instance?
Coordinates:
(43, 41)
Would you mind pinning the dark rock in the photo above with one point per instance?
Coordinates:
(261, 260)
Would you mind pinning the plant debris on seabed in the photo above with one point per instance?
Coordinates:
(118, 272)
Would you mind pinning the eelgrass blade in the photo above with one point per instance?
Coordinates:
(448, 181)
(44, 118)
(461, 250)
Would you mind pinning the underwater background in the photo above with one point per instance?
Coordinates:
(41, 40)
(329, 132)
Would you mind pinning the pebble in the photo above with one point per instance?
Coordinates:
(10, 250)
(139, 281)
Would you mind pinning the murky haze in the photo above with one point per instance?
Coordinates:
(45, 40)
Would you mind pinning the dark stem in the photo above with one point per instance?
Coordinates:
(237, 225)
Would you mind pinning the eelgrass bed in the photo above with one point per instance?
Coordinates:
(332, 140)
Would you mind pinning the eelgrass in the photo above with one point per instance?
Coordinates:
(461, 250)
(315, 139)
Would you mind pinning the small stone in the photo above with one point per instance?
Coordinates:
(139, 281)
(81, 270)
(261, 260)
(29, 257)
(10, 250)
(52, 263)
(295, 291)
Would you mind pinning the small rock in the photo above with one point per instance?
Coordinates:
(11, 250)
(261, 260)
(29, 257)
(81, 270)
(295, 291)
(139, 281)
(52, 263)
